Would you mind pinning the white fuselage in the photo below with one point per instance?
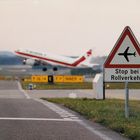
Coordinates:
(53, 59)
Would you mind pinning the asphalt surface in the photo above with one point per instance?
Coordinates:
(24, 117)
(115, 94)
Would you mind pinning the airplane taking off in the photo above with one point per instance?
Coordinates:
(41, 58)
(126, 54)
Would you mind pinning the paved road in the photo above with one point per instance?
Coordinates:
(118, 94)
(23, 117)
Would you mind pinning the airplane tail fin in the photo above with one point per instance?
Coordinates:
(135, 54)
(87, 54)
(83, 58)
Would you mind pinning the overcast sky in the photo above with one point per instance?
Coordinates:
(67, 27)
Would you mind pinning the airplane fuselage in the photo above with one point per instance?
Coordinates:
(53, 59)
(126, 54)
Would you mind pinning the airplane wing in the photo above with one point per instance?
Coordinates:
(126, 51)
(126, 57)
(126, 54)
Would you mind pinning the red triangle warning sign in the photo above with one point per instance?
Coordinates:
(126, 52)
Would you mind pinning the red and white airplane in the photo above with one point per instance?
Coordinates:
(38, 58)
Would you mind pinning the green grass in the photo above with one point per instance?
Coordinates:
(109, 113)
(44, 86)
(84, 85)
(122, 85)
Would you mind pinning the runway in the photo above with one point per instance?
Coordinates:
(86, 93)
(26, 117)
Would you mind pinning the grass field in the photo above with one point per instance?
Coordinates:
(122, 85)
(45, 86)
(84, 85)
(109, 113)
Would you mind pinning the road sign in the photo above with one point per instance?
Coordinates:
(39, 78)
(73, 79)
(123, 63)
(68, 79)
(57, 79)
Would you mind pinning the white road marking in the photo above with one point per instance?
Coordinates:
(38, 119)
(71, 117)
(23, 91)
(93, 130)
(63, 113)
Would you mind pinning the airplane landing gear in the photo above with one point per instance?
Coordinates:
(44, 69)
(55, 69)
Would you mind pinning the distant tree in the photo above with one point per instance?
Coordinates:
(8, 58)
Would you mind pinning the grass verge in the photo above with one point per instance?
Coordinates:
(45, 86)
(109, 113)
(84, 85)
(122, 85)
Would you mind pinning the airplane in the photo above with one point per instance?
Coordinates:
(126, 54)
(42, 58)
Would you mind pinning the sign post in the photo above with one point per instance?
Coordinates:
(123, 63)
(126, 100)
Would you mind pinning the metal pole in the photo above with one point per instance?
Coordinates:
(126, 100)
(103, 90)
(103, 83)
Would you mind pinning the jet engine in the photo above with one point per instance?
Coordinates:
(29, 62)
